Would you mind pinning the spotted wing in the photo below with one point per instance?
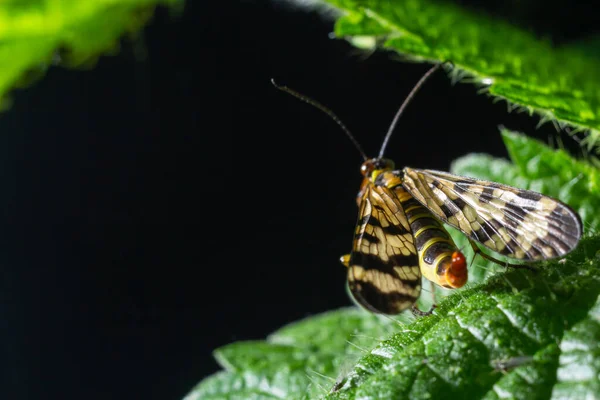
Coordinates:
(383, 270)
(517, 223)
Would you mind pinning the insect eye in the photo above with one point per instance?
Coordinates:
(367, 167)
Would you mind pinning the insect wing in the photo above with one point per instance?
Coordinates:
(383, 272)
(517, 223)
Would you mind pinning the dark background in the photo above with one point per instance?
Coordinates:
(155, 208)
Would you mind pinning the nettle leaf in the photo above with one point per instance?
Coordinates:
(578, 373)
(559, 83)
(39, 33)
(299, 361)
(502, 339)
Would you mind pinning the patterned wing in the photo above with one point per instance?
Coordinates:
(519, 224)
(383, 269)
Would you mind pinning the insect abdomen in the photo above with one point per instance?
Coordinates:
(440, 261)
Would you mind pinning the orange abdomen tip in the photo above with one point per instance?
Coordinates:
(457, 275)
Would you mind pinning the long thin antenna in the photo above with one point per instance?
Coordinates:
(326, 110)
(405, 103)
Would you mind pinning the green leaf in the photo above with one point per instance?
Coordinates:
(579, 364)
(301, 360)
(36, 34)
(497, 340)
(559, 83)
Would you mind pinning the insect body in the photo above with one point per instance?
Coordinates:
(400, 236)
(396, 240)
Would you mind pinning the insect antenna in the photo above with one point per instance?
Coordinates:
(412, 93)
(326, 110)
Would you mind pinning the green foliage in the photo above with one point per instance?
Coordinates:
(35, 34)
(559, 83)
(299, 361)
(580, 349)
(493, 340)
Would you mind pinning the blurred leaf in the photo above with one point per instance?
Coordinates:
(579, 364)
(36, 34)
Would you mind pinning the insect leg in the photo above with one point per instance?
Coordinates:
(418, 313)
(505, 264)
(415, 310)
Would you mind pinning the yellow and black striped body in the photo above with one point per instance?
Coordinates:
(396, 241)
(435, 247)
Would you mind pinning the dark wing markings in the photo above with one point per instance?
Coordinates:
(562, 225)
(383, 274)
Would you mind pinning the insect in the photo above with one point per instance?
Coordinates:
(400, 236)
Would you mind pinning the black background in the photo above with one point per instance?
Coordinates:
(155, 208)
